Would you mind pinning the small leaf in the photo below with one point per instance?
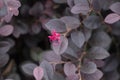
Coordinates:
(38, 73)
(71, 22)
(51, 56)
(78, 38)
(4, 47)
(69, 51)
(61, 47)
(70, 3)
(56, 24)
(96, 5)
(3, 8)
(4, 58)
(97, 75)
(82, 7)
(92, 22)
(69, 69)
(28, 68)
(88, 67)
(48, 70)
(72, 77)
(6, 30)
(97, 53)
(112, 18)
(100, 38)
(115, 7)
(111, 64)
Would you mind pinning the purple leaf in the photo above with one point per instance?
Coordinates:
(72, 77)
(96, 5)
(28, 68)
(51, 56)
(48, 70)
(70, 52)
(3, 8)
(71, 22)
(5, 46)
(97, 53)
(115, 7)
(4, 58)
(69, 69)
(99, 63)
(56, 24)
(61, 47)
(82, 7)
(111, 64)
(100, 38)
(6, 30)
(70, 3)
(88, 67)
(78, 38)
(36, 9)
(97, 75)
(92, 22)
(113, 75)
(87, 33)
(112, 18)
(38, 73)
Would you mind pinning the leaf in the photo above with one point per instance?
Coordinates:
(111, 64)
(105, 4)
(69, 69)
(48, 70)
(99, 63)
(113, 75)
(3, 8)
(20, 28)
(80, 1)
(56, 24)
(92, 22)
(112, 18)
(88, 67)
(71, 22)
(69, 51)
(70, 3)
(37, 9)
(6, 30)
(28, 68)
(61, 47)
(38, 73)
(97, 75)
(4, 58)
(115, 7)
(87, 33)
(100, 38)
(96, 5)
(97, 53)
(82, 7)
(115, 28)
(78, 38)
(51, 56)
(60, 1)
(4, 46)
(72, 77)
(36, 28)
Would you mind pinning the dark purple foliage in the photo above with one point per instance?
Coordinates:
(59, 39)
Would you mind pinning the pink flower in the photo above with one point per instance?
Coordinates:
(55, 37)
